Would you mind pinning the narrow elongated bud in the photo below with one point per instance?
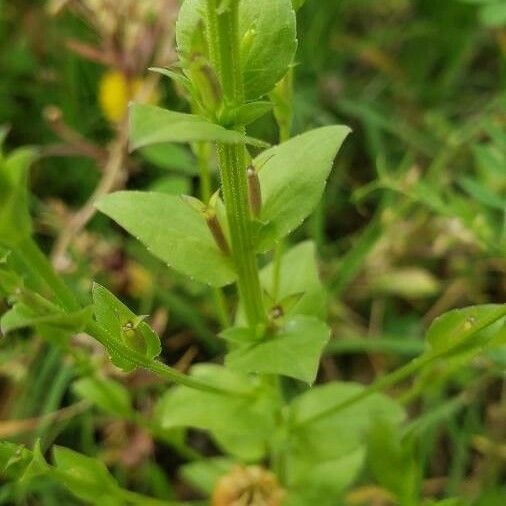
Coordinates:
(254, 191)
(209, 214)
(216, 230)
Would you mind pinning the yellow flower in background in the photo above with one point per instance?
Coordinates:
(116, 91)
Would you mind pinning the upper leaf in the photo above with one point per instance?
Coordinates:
(292, 178)
(294, 351)
(153, 125)
(267, 29)
(269, 36)
(173, 231)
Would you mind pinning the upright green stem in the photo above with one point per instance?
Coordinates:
(223, 36)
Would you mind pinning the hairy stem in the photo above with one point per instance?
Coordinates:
(223, 36)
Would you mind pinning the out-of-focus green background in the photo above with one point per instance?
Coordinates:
(413, 222)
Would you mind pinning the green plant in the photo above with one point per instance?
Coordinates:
(259, 407)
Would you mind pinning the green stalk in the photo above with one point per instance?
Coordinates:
(42, 269)
(224, 42)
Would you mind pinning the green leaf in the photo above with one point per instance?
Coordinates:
(23, 316)
(108, 395)
(461, 329)
(292, 178)
(15, 220)
(294, 351)
(298, 275)
(494, 15)
(297, 4)
(10, 281)
(153, 125)
(37, 465)
(248, 113)
(124, 326)
(323, 482)
(204, 474)
(85, 477)
(391, 459)
(172, 185)
(246, 416)
(269, 41)
(341, 432)
(14, 460)
(483, 194)
(190, 30)
(267, 29)
(173, 231)
(171, 157)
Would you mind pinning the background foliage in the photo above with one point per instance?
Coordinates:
(413, 224)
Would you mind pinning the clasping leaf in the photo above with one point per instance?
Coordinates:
(124, 327)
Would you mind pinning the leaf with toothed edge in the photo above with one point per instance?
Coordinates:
(173, 231)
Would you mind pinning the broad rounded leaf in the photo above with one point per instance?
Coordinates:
(240, 423)
(343, 431)
(292, 177)
(173, 231)
(295, 351)
(153, 125)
